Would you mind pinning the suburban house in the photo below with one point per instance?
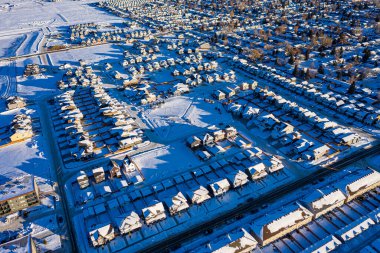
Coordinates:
(15, 102)
(354, 229)
(99, 174)
(115, 170)
(239, 241)
(102, 235)
(82, 180)
(128, 222)
(257, 171)
(154, 213)
(220, 187)
(177, 203)
(324, 200)
(356, 185)
(198, 195)
(277, 224)
(237, 178)
(193, 142)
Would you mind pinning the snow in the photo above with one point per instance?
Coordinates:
(26, 15)
(182, 116)
(165, 162)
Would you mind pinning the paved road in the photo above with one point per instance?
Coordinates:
(175, 241)
(57, 163)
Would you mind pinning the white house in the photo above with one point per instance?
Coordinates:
(154, 213)
(198, 195)
(237, 178)
(128, 222)
(177, 203)
(220, 187)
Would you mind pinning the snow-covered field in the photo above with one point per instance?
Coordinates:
(26, 15)
(165, 162)
(183, 116)
(27, 157)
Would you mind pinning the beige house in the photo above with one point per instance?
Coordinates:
(154, 213)
(219, 135)
(198, 195)
(322, 201)
(239, 241)
(102, 235)
(276, 225)
(128, 222)
(257, 171)
(15, 198)
(82, 180)
(177, 203)
(220, 187)
(368, 180)
(99, 174)
(15, 102)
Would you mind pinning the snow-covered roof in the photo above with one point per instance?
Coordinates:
(355, 182)
(177, 203)
(16, 187)
(154, 213)
(325, 245)
(323, 198)
(271, 225)
(355, 228)
(234, 242)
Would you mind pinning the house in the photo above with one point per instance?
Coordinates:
(198, 195)
(177, 203)
(193, 142)
(204, 155)
(273, 164)
(281, 130)
(327, 244)
(319, 152)
(277, 224)
(250, 112)
(15, 102)
(82, 180)
(257, 171)
(208, 140)
(322, 201)
(220, 187)
(99, 174)
(128, 222)
(18, 194)
(218, 94)
(219, 135)
(244, 86)
(301, 146)
(354, 229)
(357, 185)
(252, 152)
(350, 139)
(21, 134)
(154, 213)
(102, 235)
(268, 121)
(239, 241)
(231, 132)
(115, 170)
(130, 142)
(237, 178)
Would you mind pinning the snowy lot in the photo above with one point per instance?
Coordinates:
(26, 15)
(181, 117)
